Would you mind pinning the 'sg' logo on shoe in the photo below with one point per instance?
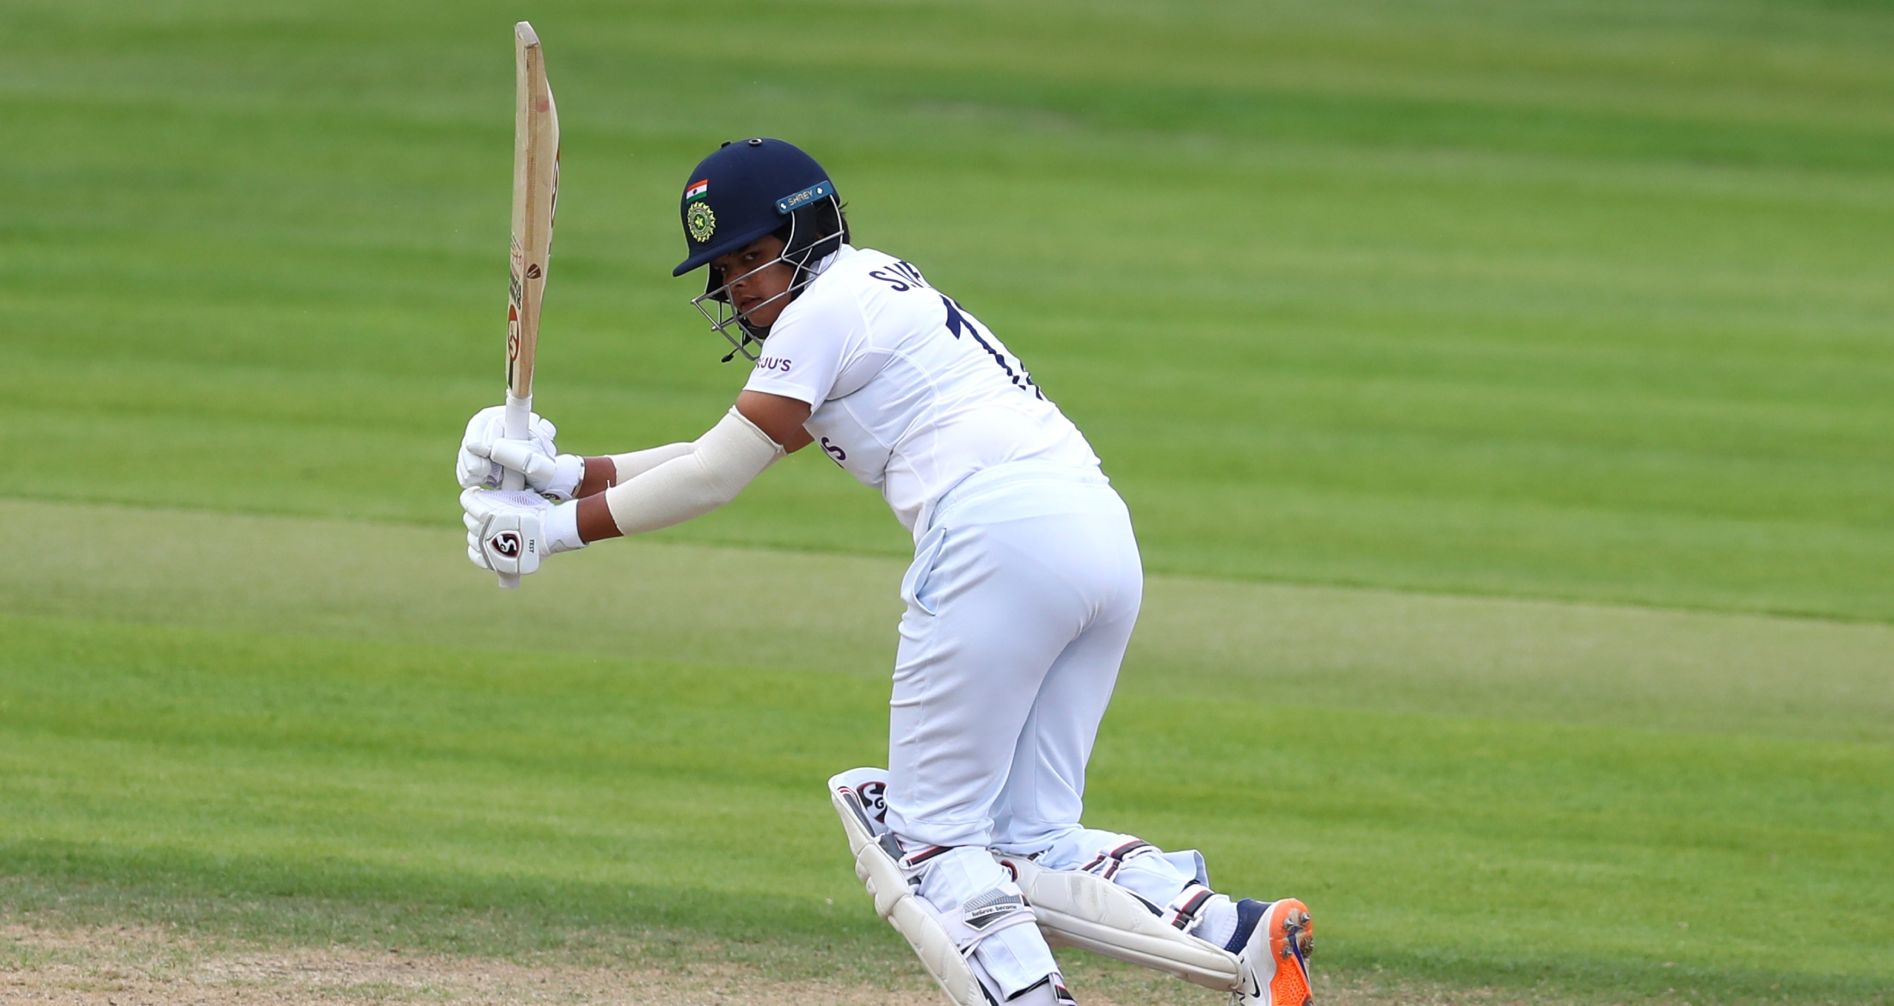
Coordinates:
(506, 543)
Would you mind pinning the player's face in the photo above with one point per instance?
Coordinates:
(756, 289)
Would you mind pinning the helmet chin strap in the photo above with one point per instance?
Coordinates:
(748, 337)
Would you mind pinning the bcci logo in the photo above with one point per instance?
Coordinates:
(701, 222)
(506, 543)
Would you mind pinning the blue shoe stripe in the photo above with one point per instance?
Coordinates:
(1249, 912)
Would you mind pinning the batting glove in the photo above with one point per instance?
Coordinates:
(486, 455)
(511, 532)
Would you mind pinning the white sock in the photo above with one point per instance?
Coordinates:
(1216, 922)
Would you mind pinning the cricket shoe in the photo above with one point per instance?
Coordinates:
(1276, 938)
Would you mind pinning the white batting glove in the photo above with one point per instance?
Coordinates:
(512, 532)
(556, 477)
(486, 454)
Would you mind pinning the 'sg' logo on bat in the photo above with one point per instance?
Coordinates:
(512, 332)
(506, 543)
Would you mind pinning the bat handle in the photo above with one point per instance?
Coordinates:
(519, 417)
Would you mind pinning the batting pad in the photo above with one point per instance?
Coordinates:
(877, 866)
(1079, 909)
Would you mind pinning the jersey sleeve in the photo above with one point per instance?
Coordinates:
(807, 349)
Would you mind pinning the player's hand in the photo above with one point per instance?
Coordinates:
(512, 532)
(485, 455)
(556, 477)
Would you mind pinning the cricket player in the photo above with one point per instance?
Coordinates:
(1020, 600)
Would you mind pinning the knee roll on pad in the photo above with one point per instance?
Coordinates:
(944, 941)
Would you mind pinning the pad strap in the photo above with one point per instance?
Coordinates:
(977, 918)
(913, 861)
(1106, 863)
(1181, 913)
(984, 915)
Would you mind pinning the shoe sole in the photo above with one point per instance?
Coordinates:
(1291, 941)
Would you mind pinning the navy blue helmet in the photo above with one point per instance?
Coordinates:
(745, 190)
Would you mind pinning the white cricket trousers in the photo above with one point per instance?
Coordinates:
(1020, 602)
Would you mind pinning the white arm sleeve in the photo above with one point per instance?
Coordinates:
(715, 468)
(630, 466)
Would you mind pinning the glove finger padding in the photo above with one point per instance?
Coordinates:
(504, 530)
(555, 476)
(473, 468)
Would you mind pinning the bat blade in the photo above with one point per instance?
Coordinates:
(535, 198)
(535, 194)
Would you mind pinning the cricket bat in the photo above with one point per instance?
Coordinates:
(535, 196)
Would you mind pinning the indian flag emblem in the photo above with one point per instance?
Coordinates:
(698, 190)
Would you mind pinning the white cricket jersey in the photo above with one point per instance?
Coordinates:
(909, 392)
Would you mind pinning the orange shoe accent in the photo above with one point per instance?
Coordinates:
(1291, 941)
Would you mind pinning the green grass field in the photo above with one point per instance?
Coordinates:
(1504, 393)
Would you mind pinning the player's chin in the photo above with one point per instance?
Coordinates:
(763, 315)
